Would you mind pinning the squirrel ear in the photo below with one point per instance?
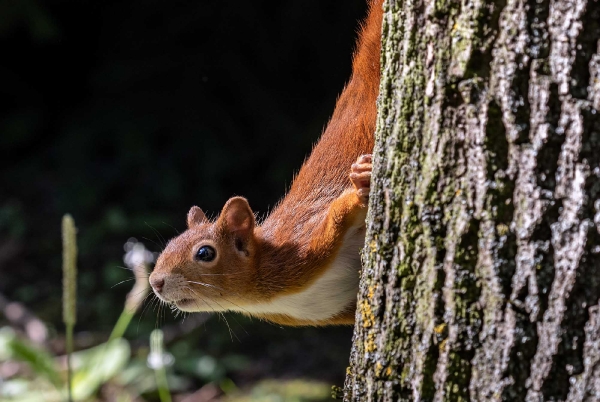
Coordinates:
(195, 217)
(237, 218)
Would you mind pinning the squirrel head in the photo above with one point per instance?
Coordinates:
(212, 265)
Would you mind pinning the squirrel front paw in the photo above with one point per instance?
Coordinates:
(360, 176)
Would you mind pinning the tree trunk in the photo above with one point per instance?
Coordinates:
(481, 276)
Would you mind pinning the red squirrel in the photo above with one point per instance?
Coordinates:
(301, 265)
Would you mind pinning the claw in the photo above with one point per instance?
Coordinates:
(360, 176)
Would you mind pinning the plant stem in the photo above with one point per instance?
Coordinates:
(69, 289)
(69, 368)
(122, 324)
(158, 364)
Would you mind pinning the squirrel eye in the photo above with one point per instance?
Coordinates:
(206, 254)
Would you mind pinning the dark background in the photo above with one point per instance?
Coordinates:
(126, 113)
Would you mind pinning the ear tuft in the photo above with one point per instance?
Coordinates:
(195, 217)
(237, 218)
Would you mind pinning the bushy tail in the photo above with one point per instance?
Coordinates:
(351, 130)
(365, 66)
(349, 134)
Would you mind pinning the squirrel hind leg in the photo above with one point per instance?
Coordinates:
(360, 176)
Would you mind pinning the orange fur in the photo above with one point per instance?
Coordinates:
(303, 236)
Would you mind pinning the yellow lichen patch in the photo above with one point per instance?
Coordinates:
(440, 328)
(373, 246)
(369, 344)
(378, 369)
(502, 229)
(371, 292)
(366, 314)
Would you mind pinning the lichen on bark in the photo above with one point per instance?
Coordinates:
(481, 273)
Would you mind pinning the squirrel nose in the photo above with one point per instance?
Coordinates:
(157, 283)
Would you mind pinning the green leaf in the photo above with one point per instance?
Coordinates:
(93, 367)
(22, 390)
(38, 359)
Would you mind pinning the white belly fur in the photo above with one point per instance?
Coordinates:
(333, 291)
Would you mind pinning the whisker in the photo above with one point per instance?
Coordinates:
(184, 316)
(241, 326)
(141, 291)
(164, 313)
(160, 246)
(228, 327)
(176, 231)
(200, 297)
(156, 304)
(157, 311)
(125, 268)
(161, 316)
(132, 310)
(158, 235)
(203, 284)
(231, 332)
(227, 300)
(147, 304)
(145, 307)
(226, 322)
(160, 243)
(123, 281)
(208, 285)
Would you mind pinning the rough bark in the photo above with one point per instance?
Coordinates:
(481, 276)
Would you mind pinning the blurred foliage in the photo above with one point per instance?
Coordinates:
(92, 367)
(108, 365)
(284, 391)
(29, 373)
(125, 114)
